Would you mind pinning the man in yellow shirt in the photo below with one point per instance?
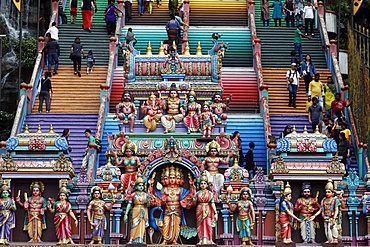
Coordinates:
(346, 131)
(316, 89)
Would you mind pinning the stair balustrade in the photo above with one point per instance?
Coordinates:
(333, 65)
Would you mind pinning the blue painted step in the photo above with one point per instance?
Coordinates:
(76, 123)
(111, 127)
(251, 130)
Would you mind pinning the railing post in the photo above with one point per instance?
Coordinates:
(112, 48)
(121, 7)
(185, 19)
(332, 49)
(321, 8)
(251, 10)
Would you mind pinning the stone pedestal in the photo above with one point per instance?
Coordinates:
(281, 244)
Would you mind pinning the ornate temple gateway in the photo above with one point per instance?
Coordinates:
(171, 172)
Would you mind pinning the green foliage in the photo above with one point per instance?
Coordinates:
(6, 116)
(345, 10)
(28, 49)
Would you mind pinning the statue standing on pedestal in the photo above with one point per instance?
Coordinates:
(129, 162)
(192, 110)
(138, 202)
(307, 208)
(126, 110)
(211, 163)
(35, 206)
(63, 214)
(96, 214)
(173, 198)
(152, 110)
(246, 215)
(206, 212)
(286, 215)
(7, 215)
(331, 207)
(173, 116)
(207, 120)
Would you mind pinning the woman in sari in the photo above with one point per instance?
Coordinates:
(205, 212)
(7, 215)
(62, 221)
(139, 201)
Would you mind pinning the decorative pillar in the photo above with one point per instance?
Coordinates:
(261, 201)
(333, 47)
(276, 191)
(82, 200)
(353, 202)
(112, 48)
(185, 19)
(251, 7)
(321, 8)
(121, 7)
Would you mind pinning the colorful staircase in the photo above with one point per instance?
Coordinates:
(76, 123)
(241, 83)
(218, 13)
(257, 15)
(110, 127)
(279, 95)
(251, 129)
(117, 89)
(159, 16)
(277, 43)
(98, 18)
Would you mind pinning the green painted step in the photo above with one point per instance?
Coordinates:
(98, 16)
(239, 53)
(257, 15)
(97, 41)
(278, 42)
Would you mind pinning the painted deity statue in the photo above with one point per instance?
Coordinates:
(63, 214)
(129, 162)
(331, 212)
(173, 64)
(172, 198)
(152, 110)
(211, 162)
(207, 120)
(7, 215)
(173, 116)
(286, 215)
(246, 215)
(206, 212)
(192, 110)
(218, 107)
(35, 206)
(96, 214)
(307, 209)
(138, 204)
(126, 111)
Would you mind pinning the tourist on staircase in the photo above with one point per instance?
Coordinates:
(298, 44)
(298, 12)
(76, 54)
(287, 131)
(325, 126)
(45, 90)
(90, 62)
(265, 13)
(314, 114)
(338, 105)
(86, 8)
(172, 6)
(344, 149)
(316, 89)
(54, 31)
(292, 77)
(53, 52)
(130, 36)
(330, 90)
(308, 16)
(308, 70)
(73, 11)
(61, 12)
(128, 11)
(110, 17)
(289, 12)
(277, 13)
(172, 28)
(140, 7)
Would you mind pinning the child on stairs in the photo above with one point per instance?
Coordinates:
(90, 61)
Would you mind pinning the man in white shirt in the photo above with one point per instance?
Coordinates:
(53, 32)
(292, 77)
(308, 16)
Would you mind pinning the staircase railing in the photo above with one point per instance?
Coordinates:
(27, 100)
(262, 88)
(333, 65)
(186, 20)
(106, 89)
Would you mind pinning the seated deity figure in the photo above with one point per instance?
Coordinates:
(211, 162)
(192, 111)
(172, 198)
(173, 64)
(126, 111)
(173, 116)
(152, 110)
(218, 108)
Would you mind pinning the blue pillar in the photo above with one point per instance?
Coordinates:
(225, 217)
(117, 219)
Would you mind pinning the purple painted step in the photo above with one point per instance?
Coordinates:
(76, 123)
(278, 123)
